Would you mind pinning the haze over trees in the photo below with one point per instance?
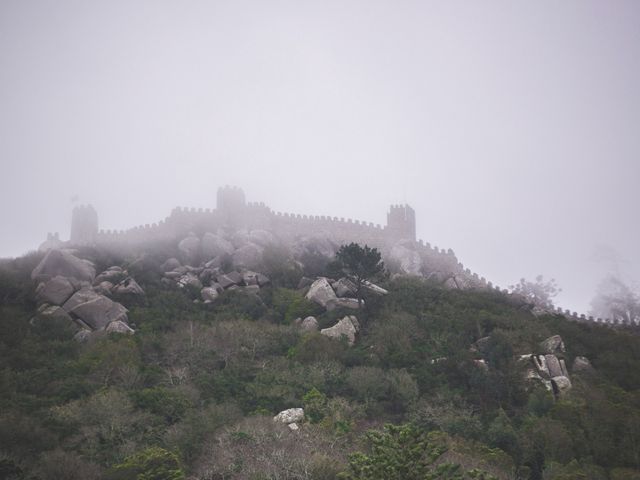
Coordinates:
(616, 300)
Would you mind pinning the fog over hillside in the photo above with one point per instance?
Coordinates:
(512, 129)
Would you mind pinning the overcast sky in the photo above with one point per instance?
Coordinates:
(513, 128)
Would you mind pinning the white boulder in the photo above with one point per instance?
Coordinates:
(347, 327)
(321, 293)
(291, 415)
(209, 294)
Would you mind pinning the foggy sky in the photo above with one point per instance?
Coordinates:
(513, 128)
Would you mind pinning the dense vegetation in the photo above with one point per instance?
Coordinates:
(192, 394)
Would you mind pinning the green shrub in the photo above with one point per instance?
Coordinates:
(154, 463)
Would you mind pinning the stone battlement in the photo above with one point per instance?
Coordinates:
(234, 213)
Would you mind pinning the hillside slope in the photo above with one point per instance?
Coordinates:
(193, 392)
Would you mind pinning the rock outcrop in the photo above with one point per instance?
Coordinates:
(119, 327)
(553, 345)
(55, 291)
(64, 264)
(248, 256)
(209, 294)
(99, 312)
(550, 367)
(112, 274)
(128, 287)
(291, 415)
(309, 324)
(214, 245)
(582, 364)
(170, 264)
(321, 293)
(190, 248)
(348, 327)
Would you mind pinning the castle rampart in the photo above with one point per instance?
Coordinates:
(234, 213)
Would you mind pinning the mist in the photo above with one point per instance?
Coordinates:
(512, 129)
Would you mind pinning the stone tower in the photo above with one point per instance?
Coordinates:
(401, 222)
(84, 225)
(231, 204)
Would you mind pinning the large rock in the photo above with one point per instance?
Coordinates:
(540, 363)
(190, 248)
(119, 327)
(253, 278)
(113, 275)
(552, 345)
(408, 259)
(104, 288)
(209, 294)
(170, 265)
(321, 293)
(309, 324)
(348, 303)
(248, 256)
(262, 238)
(581, 364)
(229, 279)
(344, 287)
(99, 312)
(561, 385)
(291, 415)
(128, 286)
(347, 327)
(49, 313)
(249, 277)
(82, 336)
(81, 296)
(64, 264)
(554, 367)
(190, 280)
(375, 289)
(55, 292)
(214, 245)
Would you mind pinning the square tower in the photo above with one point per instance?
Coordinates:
(401, 223)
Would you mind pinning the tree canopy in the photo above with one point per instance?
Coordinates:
(360, 264)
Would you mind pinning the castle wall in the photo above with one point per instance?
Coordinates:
(233, 213)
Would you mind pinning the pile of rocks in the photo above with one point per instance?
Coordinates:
(348, 327)
(209, 279)
(331, 294)
(549, 366)
(68, 290)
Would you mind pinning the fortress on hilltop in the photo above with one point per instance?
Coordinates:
(233, 213)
